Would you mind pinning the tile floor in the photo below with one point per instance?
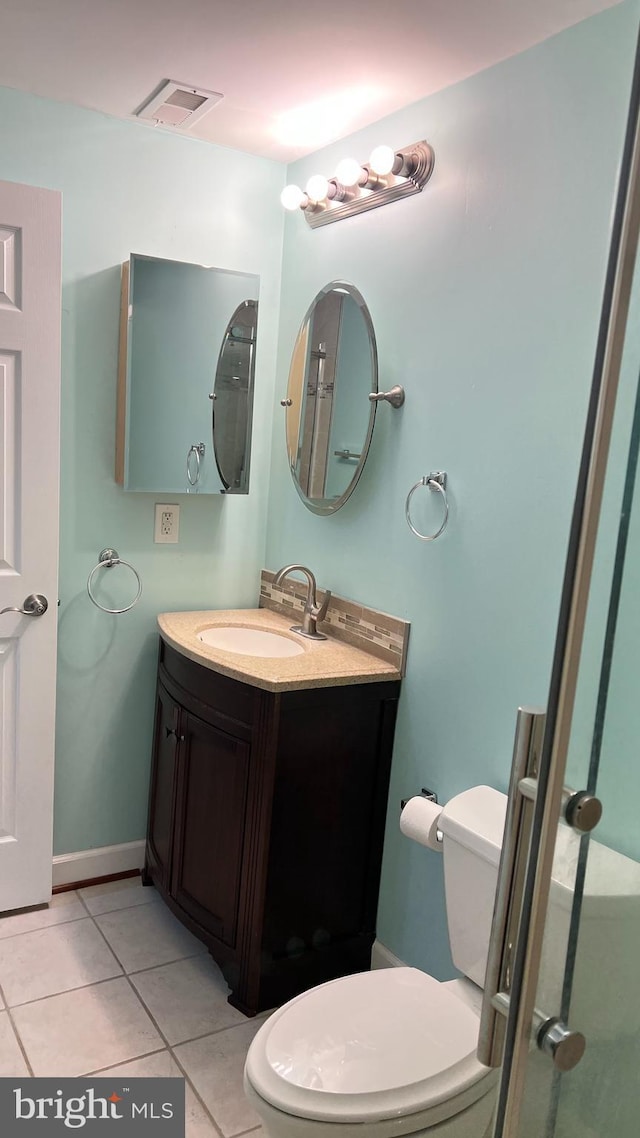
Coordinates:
(107, 980)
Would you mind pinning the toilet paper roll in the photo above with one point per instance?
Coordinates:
(419, 820)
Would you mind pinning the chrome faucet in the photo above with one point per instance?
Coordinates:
(312, 610)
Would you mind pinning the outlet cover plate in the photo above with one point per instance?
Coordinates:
(167, 524)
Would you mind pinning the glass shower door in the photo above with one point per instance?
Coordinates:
(562, 998)
(589, 975)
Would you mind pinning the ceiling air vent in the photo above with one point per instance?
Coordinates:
(178, 104)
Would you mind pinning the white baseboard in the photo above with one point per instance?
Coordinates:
(382, 957)
(100, 862)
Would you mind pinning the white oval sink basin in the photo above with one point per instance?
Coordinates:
(249, 641)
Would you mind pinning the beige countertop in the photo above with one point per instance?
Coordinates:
(323, 663)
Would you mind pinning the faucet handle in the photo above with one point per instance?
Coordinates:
(320, 611)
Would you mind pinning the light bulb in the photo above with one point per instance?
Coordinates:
(382, 160)
(317, 187)
(292, 197)
(350, 173)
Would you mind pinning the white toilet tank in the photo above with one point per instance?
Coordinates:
(472, 825)
(606, 988)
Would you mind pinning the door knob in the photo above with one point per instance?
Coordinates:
(563, 1046)
(36, 604)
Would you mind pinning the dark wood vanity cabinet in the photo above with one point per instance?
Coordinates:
(266, 823)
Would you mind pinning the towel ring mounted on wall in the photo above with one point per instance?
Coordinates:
(198, 450)
(107, 559)
(436, 481)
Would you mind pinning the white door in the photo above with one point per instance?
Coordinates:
(29, 462)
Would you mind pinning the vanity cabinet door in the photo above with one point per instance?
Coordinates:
(163, 786)
(210, 827)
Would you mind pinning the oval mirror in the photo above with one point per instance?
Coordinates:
(329, 418)
(233, 399)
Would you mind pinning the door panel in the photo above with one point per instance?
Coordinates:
(8, 772)
(214, 771)
(29, 463)
(9, 441)
(163, 783)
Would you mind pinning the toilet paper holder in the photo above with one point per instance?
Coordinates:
(430, 795)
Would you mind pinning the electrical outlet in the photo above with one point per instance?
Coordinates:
(167, 524)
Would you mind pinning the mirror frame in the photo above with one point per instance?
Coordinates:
(330, 505)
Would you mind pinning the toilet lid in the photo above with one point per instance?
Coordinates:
(365, 1047)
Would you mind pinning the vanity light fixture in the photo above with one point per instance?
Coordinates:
(388, 175)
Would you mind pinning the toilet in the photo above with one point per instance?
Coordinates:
(392, 1052)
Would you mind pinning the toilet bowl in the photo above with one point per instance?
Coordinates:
(384, 1053)
(392, 1052)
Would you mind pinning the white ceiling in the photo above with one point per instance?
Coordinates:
(357, 59)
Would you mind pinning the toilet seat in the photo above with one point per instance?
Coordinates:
(373, 1046)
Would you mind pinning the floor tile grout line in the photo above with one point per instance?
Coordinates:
(153, 899)
(171, 1047)
(43, 928)
(175, 1059)
(122, 908)
(105, 979)
(20, 1044)
(135, 1059)
(196, 1093)
(68, 991)
(74, 920)
(139, 999)
(165, 964)
(197, 1039)
(137, 971)
(16, 1033)
(176, 960)
(85, 906)
(216, 1031)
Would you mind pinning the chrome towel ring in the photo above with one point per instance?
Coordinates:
(107, 559)
(436, 481)
(198, 450)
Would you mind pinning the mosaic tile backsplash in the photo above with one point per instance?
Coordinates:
(376, 632)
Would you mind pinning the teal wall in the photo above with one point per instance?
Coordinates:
(128, 189)
(484, 292)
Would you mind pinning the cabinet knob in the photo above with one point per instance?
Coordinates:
(170, 731)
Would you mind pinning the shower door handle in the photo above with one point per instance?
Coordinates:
(508, 903)
(36, 604)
